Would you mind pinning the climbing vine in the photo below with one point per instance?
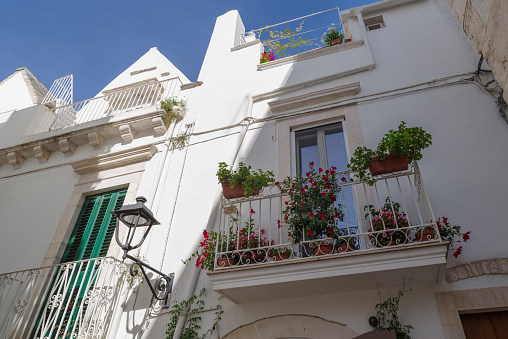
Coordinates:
(192, 325)
(388, 317)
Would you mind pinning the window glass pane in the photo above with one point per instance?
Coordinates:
(307, 149)
(337, 156)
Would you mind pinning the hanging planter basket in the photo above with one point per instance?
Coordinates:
(391, 163)
(235, 191)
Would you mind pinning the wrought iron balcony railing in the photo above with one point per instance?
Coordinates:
(147, 93)
(70, 300)
(393, 213)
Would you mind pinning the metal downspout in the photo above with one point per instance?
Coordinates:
(213, 216)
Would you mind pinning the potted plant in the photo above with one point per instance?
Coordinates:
(332, 37)
(312, 210)
(449, 233)
(243, 182)
(394, 152)
(427, 233)
(346, 242)
(385, 224)
(206, 253)
(174, 109)
(280, 253)
(249, 243)
(267, 56)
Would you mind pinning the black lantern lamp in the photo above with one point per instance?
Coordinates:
(134, 216)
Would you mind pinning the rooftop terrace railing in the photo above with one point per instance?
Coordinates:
(71, 300)
(392, 213)
(297, 35)
(111, 103)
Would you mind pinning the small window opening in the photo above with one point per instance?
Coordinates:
(375, 22)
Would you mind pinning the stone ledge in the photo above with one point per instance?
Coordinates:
(477, 269)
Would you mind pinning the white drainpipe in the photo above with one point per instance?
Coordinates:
(211, 220)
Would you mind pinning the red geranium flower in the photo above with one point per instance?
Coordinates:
(252, 211)
(310, 233)
(307, 174)
(330, 231)
(322, 216)
(320, 170)
(311, 163)
(276, 183)
(465, 236)
(311, 214)
(343, 179)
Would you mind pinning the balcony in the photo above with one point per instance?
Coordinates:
(371, 247)
(71, 300)
(130, 98)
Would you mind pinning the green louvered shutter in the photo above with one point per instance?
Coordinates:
(94, 229)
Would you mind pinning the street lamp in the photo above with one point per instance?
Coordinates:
(135, 216)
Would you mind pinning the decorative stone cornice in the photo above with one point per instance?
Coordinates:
(477, 269)
(313, 99)
(67, 140)
(115, 159)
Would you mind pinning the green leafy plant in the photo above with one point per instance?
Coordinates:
(312, 211)
(250, 180)
(404, 141)
(192, 326)
(172, 114)
(387, 316)
(333, 34)
(179, 142)
(295, 40)
(385, 223)
(449, 233)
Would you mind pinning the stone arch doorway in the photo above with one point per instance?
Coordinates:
(292, 326)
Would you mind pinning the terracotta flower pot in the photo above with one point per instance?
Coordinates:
(323, 248)
(425, 235)
(226, 262)
(336, 41)
(281, 256)
(390, 164)
(235, 191)
(345, 248)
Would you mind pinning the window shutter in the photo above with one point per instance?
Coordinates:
(95, 227)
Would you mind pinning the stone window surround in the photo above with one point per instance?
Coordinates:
(89, 184)
(451, 303)
(348, 115)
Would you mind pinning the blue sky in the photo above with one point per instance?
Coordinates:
(96, 40)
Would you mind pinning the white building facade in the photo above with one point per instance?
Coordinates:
(65, 165)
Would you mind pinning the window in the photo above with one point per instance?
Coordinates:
(326, 146)
(373, 23)
(94, 229)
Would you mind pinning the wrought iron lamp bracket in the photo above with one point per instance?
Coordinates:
(164, 282)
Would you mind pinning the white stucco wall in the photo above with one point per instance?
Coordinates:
(14, 94)
(31, 206)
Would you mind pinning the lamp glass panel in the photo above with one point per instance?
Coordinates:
(130, 220)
